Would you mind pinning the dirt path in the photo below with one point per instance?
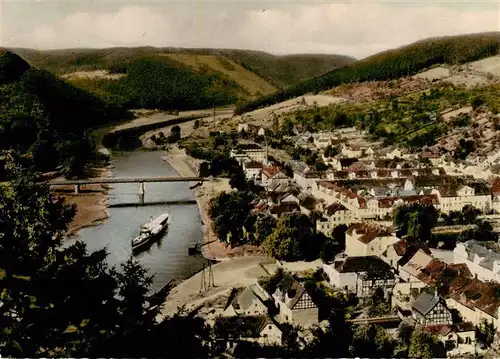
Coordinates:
(238, 272)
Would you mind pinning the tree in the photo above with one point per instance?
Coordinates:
(416, 221)
(175, 133)
(264, 226)
(196, 124)
(371, 341)
(485, 333)
(477, 102)
(204, 169)
(65, 301)
(238, 180)
(294, 238)
(470, 214)
(230, 214)
(424, 345)
(331, 151)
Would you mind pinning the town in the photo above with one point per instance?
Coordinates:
(415, 233)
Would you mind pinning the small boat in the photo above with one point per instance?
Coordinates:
(151, 230)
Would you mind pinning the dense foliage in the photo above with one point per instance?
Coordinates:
(161, 83)
(281, 71)
(392, 64)
(46, 118)
(295, 238)
(64, 301)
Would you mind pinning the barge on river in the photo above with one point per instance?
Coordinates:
(150, 231)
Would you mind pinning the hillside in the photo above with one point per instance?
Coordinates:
(255, 73)
(46, 118)
(392, 64)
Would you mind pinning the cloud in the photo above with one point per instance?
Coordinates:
(358, 29)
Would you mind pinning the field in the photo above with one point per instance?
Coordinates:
(249, 81)
(489, 65)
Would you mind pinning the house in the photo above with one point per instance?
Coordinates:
(242, 127)
(305, 178)
(278, 210)
(399, 253)
(475, 300)
(248, 152)
(364, 239)
(336, 214)
(458, 339)
(289, 197)
(411, 270)
(322, 141)
(394, 154)
(253, 170)
(360, 275)
(454, 197)
(481, 261)
(294, 304)
(430, 309)
(261, 132)
(273, 173)
(247, 301)
(257, 328)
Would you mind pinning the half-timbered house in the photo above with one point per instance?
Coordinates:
(294, 304)
(430, 309)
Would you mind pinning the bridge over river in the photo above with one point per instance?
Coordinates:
(140, 180)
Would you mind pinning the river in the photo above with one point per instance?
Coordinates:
(168, 258)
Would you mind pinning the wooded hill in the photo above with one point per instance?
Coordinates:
(387, 65)
(46, 118)
(228, 75)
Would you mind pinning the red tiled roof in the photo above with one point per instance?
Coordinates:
(439, 329)
(344, 191)
(429, 155)
(368, 232)
(388, 202)
(400, 247)
(271, 171)
(463, 288)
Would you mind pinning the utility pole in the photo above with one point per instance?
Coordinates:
(211, 281)
(203, 285)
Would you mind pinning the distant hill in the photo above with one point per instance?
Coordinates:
(251, 74)
(45, 117)
(403, 61)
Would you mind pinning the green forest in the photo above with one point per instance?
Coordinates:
(392, 64)
(160, 83)
(46, 118)
(281, 71)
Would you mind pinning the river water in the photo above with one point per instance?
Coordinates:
(167, 258)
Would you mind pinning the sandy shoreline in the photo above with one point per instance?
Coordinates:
(91, 203)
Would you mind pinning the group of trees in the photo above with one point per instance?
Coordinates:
(45, 118)
(175, 135)
(65, 301)
(392, 64)
(161, 83)
(416, 222)
(295, 238)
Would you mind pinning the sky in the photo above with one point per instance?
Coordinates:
(355, 28)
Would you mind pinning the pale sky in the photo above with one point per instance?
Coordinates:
(354, 28)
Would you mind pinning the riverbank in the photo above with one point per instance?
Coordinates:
(238, 272)
(214, 249)
(91, 203)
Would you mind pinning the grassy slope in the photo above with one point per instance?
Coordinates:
(395, 63)
(279, 71)
(248, 80)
